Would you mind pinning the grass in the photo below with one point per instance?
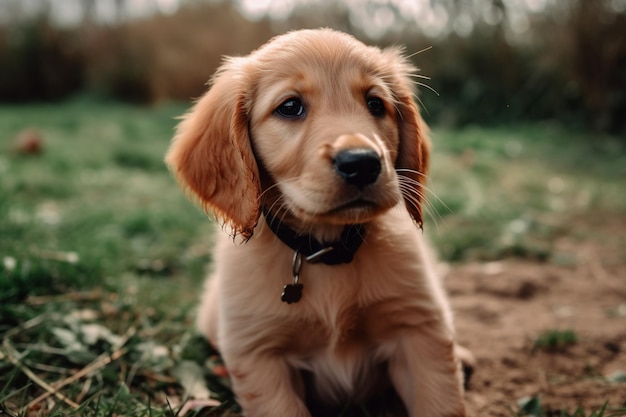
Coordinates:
(101, 256)
(555, 340)
(511, 191)
(98, 247)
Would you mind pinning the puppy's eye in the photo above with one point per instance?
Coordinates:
(376, 106)
(292, 108)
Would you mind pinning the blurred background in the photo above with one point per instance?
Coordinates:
(491, 61)
(101, 253)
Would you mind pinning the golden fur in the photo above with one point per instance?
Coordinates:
(383, 316)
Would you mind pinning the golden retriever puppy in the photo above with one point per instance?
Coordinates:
(312, 153)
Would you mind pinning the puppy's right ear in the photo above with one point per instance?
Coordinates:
(211, 155)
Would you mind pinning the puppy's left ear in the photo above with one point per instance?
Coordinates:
(414, 153)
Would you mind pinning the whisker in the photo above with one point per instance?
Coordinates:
(414, 183)
(281, 210)
(427, 87)
(412, 171)
(410, 189)
(428, 48)
(432, 211)
(423, 77)
(408, 195)
(427, 208)
(422, 204)
(275, 185)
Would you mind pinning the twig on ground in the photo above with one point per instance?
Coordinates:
(100, 362)
(14, 357)
(34, 322)
(72, 296)
(84, 391)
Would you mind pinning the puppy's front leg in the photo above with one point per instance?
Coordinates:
(265, 386)
(426, 373)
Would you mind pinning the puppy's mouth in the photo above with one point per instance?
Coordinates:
(357, 204)
(338, 206)
(355, 211)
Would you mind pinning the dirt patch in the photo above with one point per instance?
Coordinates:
(503, 307)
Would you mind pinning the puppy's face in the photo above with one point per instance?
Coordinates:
(324, 127)
(314, 126)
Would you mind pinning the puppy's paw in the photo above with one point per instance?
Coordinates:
(468, 364)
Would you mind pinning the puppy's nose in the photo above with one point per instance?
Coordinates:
(358, 166)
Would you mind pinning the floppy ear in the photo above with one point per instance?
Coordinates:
(414, 152)
(211, 155)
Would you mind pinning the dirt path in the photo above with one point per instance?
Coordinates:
(502, 307)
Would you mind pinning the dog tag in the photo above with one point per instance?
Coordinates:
(292, 293)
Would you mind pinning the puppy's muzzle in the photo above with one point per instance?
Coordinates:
(358, 166)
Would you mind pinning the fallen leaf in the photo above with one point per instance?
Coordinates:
(190, 376)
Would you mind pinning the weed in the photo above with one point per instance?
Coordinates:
(555, 340)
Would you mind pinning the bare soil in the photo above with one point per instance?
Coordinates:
(502, 307)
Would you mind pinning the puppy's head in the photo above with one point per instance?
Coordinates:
(314, 125)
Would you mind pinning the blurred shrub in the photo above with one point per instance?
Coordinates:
(144, 61)
(570, 67)
(591, 51)
(168, 57)
(118, 64)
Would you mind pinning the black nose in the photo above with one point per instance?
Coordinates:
(358, 166)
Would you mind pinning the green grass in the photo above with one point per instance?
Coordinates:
(513, 191)
(555, 340)
(94, 232)
(101, 256)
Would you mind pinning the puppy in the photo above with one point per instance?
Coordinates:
(312, 154)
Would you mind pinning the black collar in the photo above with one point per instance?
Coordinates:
(330, 253)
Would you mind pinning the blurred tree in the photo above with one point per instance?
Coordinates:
(39, 62)
(492, 61)
(598, 55)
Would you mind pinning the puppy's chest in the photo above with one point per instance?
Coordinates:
(349, 312)
(340, 351)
